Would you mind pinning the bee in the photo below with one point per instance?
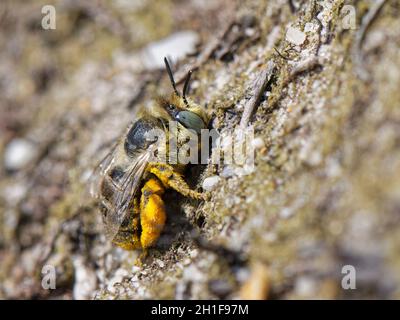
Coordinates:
(133, 178)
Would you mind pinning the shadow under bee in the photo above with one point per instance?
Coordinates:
(178, 224)
(182, 227)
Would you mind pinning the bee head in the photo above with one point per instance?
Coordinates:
(182, 109)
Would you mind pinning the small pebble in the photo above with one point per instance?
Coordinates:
(187, 261)
(305, 287)
(258, 143)
(210, 183)
(176, 46)
(18, 153)
(295, 36)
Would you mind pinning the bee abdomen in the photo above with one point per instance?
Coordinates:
(108, 188)
(136, 139)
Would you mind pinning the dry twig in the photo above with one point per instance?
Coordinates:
(206, 54)
(259, 86)
(360, 36)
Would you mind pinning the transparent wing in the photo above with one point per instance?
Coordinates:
(100, 171)
(130, 182)
(125, 188)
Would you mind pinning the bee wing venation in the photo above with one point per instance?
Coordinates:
(128, 187)
(131, 181)
(100, 171)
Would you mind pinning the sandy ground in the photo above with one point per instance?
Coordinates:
(324, 79)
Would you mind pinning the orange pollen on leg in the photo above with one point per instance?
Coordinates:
(152, 212)
(154, 186)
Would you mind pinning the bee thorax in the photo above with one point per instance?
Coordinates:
(138, 137)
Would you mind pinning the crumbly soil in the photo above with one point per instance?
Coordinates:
(325, 190)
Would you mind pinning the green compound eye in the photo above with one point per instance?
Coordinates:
(190, 120)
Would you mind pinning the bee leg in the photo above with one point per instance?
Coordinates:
(152, 212)
(174, 180)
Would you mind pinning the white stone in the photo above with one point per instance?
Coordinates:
(210, 183)
(194, 253)
(258, 143)
(295, 36)
(286, 213)
(18, 153)
(175, 47)
(305, 286)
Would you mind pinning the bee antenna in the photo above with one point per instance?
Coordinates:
(185, 88)
(171, 77)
